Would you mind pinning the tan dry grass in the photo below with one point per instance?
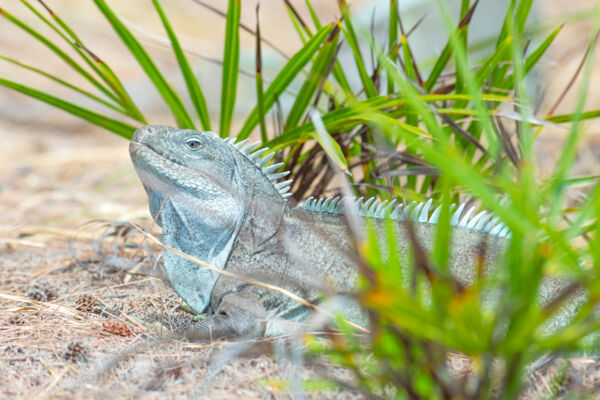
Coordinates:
(148, 363)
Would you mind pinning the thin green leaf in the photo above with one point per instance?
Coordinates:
(505, 25)
(316, 76)
(194, 90)
(444, 57)
(438, 68)
(352, 40)
(301, 26)
(492, 61)
(61, 54)
(231, 64)
(287, 74)
(569, 148)
(260, 101)
(338, 71)
(534, 57)
(167, 92)
(408, 60)
(441, 252)
(297, 25)
(65, 83)
(522, 14)
(313, 15)
(571, 117)
(110, 124)
(92, 60)
(115, 83)
(330, 146)
(472, 87)
(361, 112)
(393, 26)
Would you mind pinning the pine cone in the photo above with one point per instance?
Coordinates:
(16, 319)
(88, 303)
(37, 295)
(45, 286)
(75, 351)
(117, 328)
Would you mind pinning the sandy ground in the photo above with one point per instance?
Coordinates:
(59, 177)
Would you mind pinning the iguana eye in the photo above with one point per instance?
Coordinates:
(193, 144)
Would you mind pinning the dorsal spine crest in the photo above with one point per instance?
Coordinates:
(418, 212)
(255, 157)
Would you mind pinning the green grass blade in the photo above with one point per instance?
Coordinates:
(110, 124)
(408, 60)
(393, 26)
(570, 117)
(472, 87)
(441, 252)
(346, 121)
(338, 72)
(363, 111)
(231, 61)
(532, 60)
(411, 119)
(260, 100)
(194, 90)
(166, 91)
(444, 57)
(313, 14)
(351, 38)
(329, 145)
(316, 76)
(302, 29)
(569, 149)
(115, 83)
(492, 61)
(534, 57)
(65, 83)
(522, 14)
(505, 25)
(56, 50)
(287, 74)
(438, 68)
(340, 77)
(94, 62)
(596, 246)
(65, 28)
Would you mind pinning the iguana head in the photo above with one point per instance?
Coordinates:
(198, 163)
(202, 191)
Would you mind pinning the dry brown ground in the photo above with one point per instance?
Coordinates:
(57, 174)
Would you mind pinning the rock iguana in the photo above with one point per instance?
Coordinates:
(220, 201)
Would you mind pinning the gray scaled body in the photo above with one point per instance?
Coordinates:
(223, 204)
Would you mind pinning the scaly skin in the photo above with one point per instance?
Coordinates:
(215, 203)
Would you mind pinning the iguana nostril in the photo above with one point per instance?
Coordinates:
(142, 134)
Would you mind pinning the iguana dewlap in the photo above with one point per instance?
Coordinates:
(221, 203)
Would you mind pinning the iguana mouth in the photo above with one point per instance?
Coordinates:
(157, 151)
(175, 173)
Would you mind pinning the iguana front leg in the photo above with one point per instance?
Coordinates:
(239, 316)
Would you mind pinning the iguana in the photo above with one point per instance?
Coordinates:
(220, 201)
